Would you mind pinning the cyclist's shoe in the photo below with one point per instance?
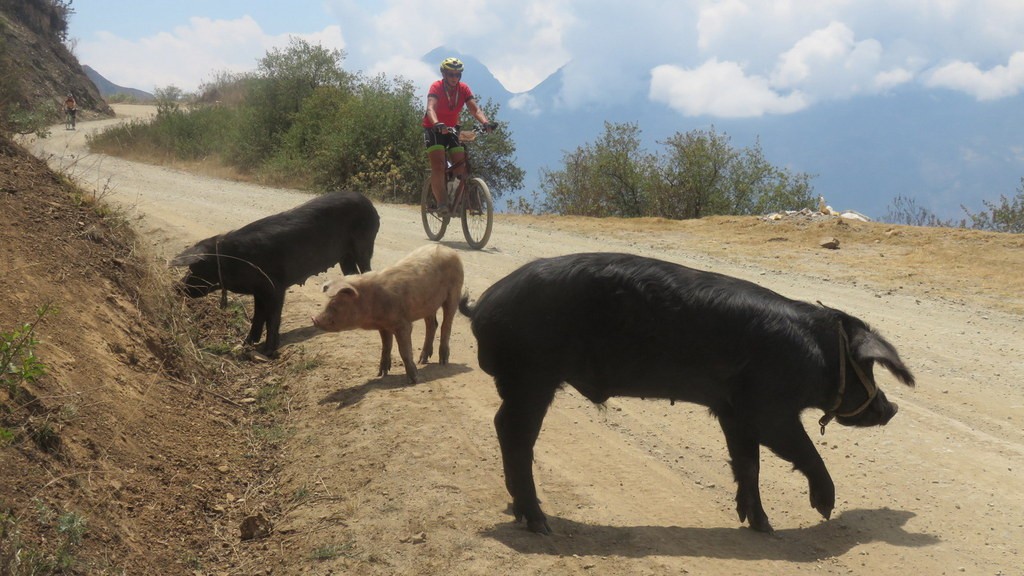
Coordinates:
(443, 211)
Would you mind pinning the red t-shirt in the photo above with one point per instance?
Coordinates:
(449, 105)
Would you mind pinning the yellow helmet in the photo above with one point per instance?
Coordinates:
(451, 65)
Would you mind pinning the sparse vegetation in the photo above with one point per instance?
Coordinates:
(1005, 216)
(55, 554)
(331, 551)
(17, 115)
(18, 362)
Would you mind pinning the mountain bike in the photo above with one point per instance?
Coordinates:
(469, 199)
(69, 120)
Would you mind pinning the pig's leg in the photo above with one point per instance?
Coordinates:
(259, 319)
(745, 461)
(449, 308)
(386, 341)
(518, 424)
(348, 264)
(428, 341)
(404, 337)
(788, 439)
(273, 311)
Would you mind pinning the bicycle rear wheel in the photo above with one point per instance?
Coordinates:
(433, 223)
(477, 213)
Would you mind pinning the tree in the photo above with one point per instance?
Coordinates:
(698, 174)
(611, 177)
(695, 174)
(493, 156)
(623, 170)
(571, 190)
(285, 78)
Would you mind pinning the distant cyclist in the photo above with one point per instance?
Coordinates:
(70, 110)
(445, 101)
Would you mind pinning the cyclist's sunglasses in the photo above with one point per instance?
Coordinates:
(453, 74)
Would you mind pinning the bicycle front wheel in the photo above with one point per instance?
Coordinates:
(477, 213)
(433, 223)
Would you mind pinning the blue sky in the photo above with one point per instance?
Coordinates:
(712, 58)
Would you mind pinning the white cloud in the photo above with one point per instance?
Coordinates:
(521, 42)
(526, 103)
(715, 18)
(720, 89)
(188, 55)
(997, 82)
(787, 51)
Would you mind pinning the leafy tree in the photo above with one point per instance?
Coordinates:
(698, 174)
(611, 177)
(367, 138)
(695, 174)
(493, 156)
(285, 78)
(623, 169)
(571, 191)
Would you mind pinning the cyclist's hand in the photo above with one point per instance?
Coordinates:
(441, 128)
(491, 126)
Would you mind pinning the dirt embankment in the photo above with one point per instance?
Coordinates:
(377, 477)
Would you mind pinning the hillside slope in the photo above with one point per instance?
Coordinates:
(39, 69)
(117, 443)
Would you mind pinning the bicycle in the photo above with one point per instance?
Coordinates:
(69, 120)
(469, 198)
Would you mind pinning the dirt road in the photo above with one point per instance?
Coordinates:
(393, 479)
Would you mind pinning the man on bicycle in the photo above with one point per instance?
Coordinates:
(445, 101)
(70, 110)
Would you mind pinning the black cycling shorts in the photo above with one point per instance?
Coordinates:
(434, 140)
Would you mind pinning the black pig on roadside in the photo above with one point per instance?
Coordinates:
(267, 256)
(624, 325)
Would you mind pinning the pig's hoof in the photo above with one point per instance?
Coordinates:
(823, 499)
(539, 525)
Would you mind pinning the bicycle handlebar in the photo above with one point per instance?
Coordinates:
(477, 128)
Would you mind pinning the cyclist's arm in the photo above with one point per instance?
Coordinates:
(432, 109)
(477, 112)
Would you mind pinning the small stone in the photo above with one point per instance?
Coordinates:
(256, 526)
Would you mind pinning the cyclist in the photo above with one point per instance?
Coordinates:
(445, 101)
(70, 108)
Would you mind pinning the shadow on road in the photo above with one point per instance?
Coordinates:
(828, 539)
(396, 379)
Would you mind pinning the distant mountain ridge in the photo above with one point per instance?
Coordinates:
(941, 148)
(108, 88)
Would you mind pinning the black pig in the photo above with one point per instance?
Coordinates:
(624, 325)
(267, 256)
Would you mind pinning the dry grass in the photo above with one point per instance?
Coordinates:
(939, 261)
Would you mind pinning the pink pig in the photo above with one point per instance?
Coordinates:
(390, 300)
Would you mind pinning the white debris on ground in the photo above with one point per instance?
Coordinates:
(823, 212)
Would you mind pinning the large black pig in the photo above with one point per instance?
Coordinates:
(624, 325)
(267, 256)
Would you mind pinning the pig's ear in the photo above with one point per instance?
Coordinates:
(348, 291)
(868, 346)
(337, 286)
(186, 258)
(196, 253)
